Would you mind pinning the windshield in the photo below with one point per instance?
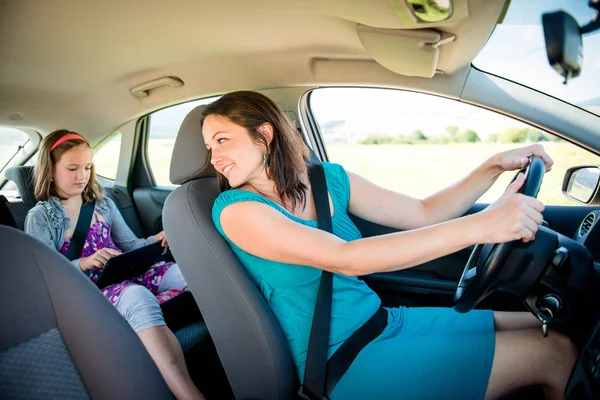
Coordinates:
(517, 51)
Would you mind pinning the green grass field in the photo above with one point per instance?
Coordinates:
(417, 170)
(420, 170)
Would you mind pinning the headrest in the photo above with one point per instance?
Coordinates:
(22, 176)
(191, 159)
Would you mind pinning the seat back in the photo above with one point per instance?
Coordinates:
(59, 337)
(6, 217)
(249, 342)
(22, 176)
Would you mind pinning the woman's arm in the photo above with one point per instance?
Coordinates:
(386, 207)
(265, 232)
(376, 204)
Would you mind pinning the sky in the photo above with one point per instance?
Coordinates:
(516, 51)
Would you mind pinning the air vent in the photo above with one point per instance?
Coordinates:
(587, 224)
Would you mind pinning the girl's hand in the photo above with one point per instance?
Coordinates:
(160, 237)
(513, 216)
(98, 259)
(514, 159)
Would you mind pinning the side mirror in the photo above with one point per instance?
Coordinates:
(581, 184)
(563, 40)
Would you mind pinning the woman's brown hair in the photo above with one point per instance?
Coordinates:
(47, 159)
(287, 151)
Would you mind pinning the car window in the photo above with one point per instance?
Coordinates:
(164, 125)
(516, 50)
(418, 144)
(11, 140)
(106, 157)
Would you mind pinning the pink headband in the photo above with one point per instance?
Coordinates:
(68, 136)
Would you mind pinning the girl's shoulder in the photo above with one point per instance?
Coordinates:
(106, 206)
(48, 210)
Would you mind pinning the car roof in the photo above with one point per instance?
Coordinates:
(73, 64)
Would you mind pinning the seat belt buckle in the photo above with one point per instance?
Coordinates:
(303, 396)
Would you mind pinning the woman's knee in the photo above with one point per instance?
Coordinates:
(563, 348)
(140, 308)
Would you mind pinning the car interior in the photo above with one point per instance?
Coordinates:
(134, 78)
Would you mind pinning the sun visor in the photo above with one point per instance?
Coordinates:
(410, 52)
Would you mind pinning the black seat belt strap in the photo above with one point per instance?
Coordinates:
(81, 231)
(318, 343)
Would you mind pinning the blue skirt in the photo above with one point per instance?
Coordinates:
(424, 353)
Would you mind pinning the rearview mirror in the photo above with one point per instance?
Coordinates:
(581, 184)
(563, 43)
(564, 46)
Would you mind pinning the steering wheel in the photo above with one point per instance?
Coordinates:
(486, 261)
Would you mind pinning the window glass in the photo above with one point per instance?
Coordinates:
(517, 51)
(106, 157)
(164, 125)
(418, 144)
(11, 140)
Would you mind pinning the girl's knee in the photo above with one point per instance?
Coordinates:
(173, 279)
(140, 308)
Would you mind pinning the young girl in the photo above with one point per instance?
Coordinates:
(64, 179)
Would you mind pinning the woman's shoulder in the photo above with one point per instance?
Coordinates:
(338, 182)
(333, 168)
(232, 196)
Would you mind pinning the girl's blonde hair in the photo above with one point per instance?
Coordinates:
(47, 159)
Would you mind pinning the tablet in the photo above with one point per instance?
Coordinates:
(129, 265)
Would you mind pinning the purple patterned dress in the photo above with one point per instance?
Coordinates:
(99, 237)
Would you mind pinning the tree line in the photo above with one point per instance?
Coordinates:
(453, 134)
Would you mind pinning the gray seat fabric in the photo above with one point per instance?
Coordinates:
(59, 337)
(192, 335)
(22, 176)
(249, 342)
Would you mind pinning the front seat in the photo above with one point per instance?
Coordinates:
(249, 342)
(59, 337)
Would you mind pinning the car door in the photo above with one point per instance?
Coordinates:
(418, 144)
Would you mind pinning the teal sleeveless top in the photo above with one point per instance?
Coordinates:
(291, 290)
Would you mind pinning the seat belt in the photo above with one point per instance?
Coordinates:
(318, 343)
(321, 376)
(81, 231)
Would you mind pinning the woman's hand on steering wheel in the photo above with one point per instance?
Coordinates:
(515, 159)
(513, 216)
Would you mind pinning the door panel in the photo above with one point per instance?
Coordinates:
(150, 203)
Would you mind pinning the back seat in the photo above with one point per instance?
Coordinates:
(22, 176)
(13, 213)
